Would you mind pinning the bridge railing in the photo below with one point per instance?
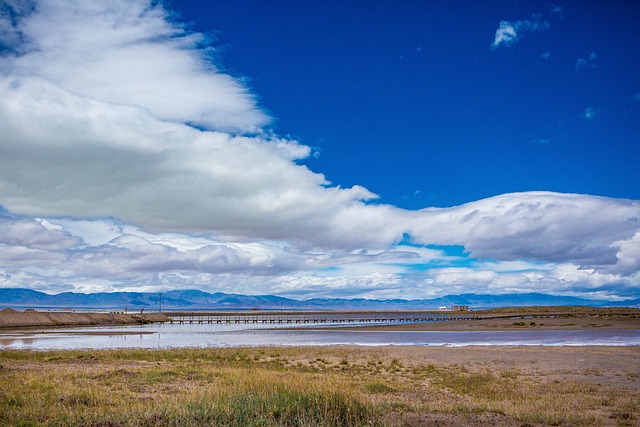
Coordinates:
(317, 317)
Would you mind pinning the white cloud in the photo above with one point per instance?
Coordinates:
(628, 255)
(506, 35)
(542, 226)
(128, 53)
(110, 143)
(560, 279)
(576, 245)
(33, 235)
(128, 254)
(509, 33)
(111, 160)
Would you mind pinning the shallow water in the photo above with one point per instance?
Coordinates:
(215, 335)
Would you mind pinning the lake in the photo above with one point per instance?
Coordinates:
(242, 335)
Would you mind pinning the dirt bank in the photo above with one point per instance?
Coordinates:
(612, 322)
(10, 318)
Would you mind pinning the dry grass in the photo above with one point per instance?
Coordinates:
(294, 387)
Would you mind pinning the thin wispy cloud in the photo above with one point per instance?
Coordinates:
(509, 33)
(582, 63)
(590, 113)
(541, 141)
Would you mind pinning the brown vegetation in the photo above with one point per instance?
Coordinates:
(339, 386)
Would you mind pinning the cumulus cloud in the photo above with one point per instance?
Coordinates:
(574, 244)
(126, 253)
(543, 226)
(127, 53)
(509, 33)
(559, 279)
(628, 255)
(34, 235)
(97, 155)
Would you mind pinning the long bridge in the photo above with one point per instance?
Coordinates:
(316, 316)
(381, 316)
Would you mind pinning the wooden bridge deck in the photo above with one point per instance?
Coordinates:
(317, 317)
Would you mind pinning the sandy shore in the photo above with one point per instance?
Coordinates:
(614, 366)
(11, 319)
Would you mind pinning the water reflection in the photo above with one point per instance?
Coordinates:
(213, 335)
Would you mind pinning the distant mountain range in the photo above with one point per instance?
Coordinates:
(198, 300)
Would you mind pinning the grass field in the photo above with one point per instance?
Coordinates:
(327, 386)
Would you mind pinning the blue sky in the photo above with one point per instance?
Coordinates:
(413, 97)
(320, 149)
